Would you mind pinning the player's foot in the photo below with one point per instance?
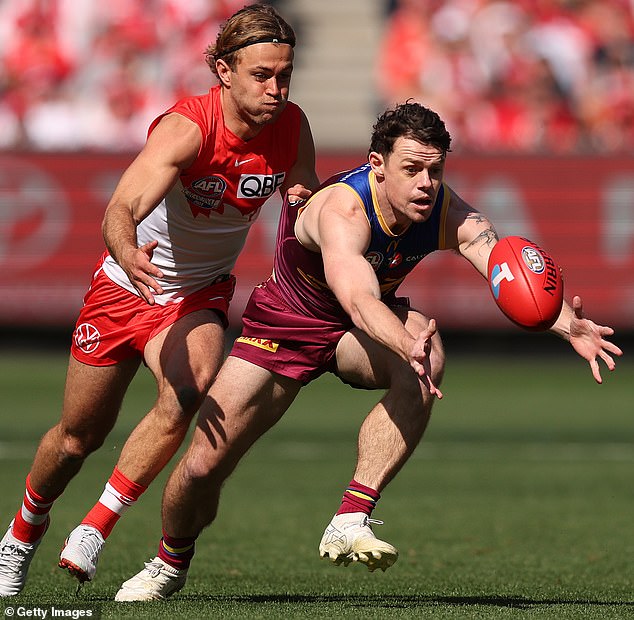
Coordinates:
(80, 552)
(349, 538)
(155, 582)
(15, 558)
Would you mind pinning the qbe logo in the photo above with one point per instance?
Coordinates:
(259, 185)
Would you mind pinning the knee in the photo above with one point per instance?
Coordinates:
(198, 465)
(189, 399)
(74, 447)
(178, 404)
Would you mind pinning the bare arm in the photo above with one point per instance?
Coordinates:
(474, 237)
(470, 233)
(336, 225)
(171, 147)
(302, 179)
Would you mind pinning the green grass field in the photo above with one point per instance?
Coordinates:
(518, 503)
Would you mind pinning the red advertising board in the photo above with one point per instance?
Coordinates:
(580, 209)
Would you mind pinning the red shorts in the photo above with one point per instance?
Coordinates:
(115, 324)
(282, 340)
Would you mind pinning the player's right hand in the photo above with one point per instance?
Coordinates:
(141, 272)
(420, 359)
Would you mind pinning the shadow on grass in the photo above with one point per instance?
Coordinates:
(401, 601)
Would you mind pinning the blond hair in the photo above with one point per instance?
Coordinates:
(257, 23)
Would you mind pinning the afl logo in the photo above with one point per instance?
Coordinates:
(375, 259)
(211, 187)
(533, 259)
(205, 195)
(87, 337)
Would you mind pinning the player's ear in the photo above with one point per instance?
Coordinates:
(224, 72)
(376, 162)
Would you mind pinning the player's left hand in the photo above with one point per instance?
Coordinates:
(298, 193)
(589, 340)
(420, 358)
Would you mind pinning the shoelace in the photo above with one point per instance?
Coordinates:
(90, 545)
(11, 559)
(155, 569)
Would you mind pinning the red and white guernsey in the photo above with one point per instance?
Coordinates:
(202, 223)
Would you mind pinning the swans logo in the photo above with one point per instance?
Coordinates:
(87, 337)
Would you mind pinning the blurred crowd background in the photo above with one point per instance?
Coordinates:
(517, 75)
(552, 76)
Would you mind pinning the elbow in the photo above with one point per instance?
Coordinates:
(356, 314)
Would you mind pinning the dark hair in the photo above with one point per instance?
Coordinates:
(409, 120)
(257, 23)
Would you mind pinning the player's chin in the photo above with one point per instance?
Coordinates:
(271, 112)
(420, 213)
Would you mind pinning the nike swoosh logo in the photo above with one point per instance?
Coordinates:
(244, 161)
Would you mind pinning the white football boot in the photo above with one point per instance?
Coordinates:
(81, 551)
(349, 538)
(15, 559)
(155, 582)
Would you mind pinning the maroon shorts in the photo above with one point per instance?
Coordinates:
(115, 324)
(285, 341)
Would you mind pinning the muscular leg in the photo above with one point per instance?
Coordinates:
(387, 438)
(244, 402)
(184, 358)
(92, 400)
(394, 427)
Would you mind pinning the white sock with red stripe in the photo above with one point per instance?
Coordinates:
(31, 520)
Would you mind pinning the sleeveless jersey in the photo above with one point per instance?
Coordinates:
(202, 223)
(299, 273)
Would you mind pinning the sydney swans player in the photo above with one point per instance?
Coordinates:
(160, 294)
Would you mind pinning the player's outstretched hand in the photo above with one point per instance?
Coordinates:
(420, 360)
(589, 340)
(139, 268)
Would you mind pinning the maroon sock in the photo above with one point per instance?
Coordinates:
(177, 552)
(358, 498)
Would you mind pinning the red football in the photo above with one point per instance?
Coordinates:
(526, 283)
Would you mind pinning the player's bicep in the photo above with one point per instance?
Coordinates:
(172, 146)
(345, 236)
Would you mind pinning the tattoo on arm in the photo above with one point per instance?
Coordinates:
(487, 237)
